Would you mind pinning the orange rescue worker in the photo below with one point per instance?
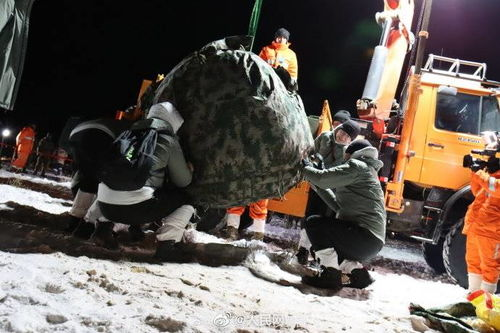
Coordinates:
(278, 53)
(25, 141)
(258, 213)
(482, 222)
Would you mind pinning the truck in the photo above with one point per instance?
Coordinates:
(444, 106)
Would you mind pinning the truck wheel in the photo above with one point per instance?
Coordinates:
(454, 254)
(433, 255)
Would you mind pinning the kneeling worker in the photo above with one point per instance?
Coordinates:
(357, 231)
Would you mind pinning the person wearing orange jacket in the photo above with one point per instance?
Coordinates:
(283, 60)
(481, 225)
(25, 141)
(278, 54)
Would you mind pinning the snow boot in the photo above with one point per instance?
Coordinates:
(359, 278)
(327, 278)
(257, 236)
(302, 256)
(73, 223)
(171, 251)
(231, 233)
(174, 225)
(135, 232)
(103, 236)
(84, 230)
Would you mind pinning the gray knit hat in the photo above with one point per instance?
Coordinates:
(282, 32)
(351, 128)
(342, 116)
(357, 145)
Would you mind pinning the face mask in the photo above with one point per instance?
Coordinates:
(342, 138)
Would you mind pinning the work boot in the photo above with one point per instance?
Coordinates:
(73, 223)
(302, 256)
(327, 278)
(103, 236)
(359, 278)
(231, 233)
(257, 236)
(170, 251)
(84, 230)
(136, 233)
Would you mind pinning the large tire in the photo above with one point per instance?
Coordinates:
(433, 255)
(454, 254)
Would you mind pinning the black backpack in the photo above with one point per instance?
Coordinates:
(130, 160)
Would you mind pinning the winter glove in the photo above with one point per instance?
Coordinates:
(318, 161)
(307, 163)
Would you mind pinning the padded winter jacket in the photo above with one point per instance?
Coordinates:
(332, 152)
(358, 195)
(169, 166)
(277, 54)
(483, 215)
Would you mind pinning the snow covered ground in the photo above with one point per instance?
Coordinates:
(59, 293)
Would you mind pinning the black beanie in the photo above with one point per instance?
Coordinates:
(351, 128)
(357, 145)
(342, 116)
(282, 32)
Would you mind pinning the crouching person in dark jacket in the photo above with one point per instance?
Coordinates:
(357, 232)
(162, 197)
(90, 142)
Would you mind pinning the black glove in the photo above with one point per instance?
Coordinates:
(318, 161)
(493, 165)
(306, 162)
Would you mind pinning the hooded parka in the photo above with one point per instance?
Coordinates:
(331, 151)
(358, 196)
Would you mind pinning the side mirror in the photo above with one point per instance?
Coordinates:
(447, 90)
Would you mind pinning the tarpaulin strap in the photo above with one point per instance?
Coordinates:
(254, 21)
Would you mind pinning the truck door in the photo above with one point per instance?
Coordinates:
(453, 131)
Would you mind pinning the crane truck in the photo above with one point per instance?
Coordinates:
(444, 106)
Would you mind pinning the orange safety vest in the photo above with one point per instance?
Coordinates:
(277, 54)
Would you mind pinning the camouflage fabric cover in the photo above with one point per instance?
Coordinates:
(244, 132)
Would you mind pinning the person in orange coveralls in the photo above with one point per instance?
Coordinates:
(25, 141)
(278, 54)
(282, 59)
(482, 225)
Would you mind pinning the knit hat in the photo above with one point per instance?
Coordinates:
(357, 145)
(351, 128)
(282, 32)
(342, 116)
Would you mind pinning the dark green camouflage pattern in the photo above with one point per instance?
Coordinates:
(244, 132)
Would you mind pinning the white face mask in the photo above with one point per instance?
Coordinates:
(281, 40)
(341, 137)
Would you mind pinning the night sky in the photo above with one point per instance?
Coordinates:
(90, 57)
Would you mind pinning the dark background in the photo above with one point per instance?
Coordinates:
(90, 57)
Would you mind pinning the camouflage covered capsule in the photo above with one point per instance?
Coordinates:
(244, 131)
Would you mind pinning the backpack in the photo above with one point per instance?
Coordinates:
(130, 160)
